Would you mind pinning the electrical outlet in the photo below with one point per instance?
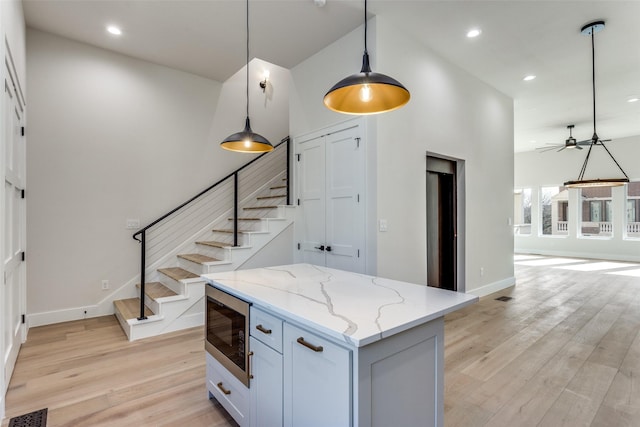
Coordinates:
(105, 285)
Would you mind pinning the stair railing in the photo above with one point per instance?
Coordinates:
(141, 235)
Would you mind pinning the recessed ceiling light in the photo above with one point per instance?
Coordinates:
(112, 29)
(528, 78)
(473, 33)
(633, 99)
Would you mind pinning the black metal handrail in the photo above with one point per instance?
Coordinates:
(142, 232)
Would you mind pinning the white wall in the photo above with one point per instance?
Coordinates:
(12, 29)
(111, 138)
(534, 170)
(451, 113)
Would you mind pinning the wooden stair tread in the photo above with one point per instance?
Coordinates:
(130, 308)
(155, 290)
(228, 230)
(275, 196)
(246, 219)
(198, 258)
(277, 187)
(214, 244)
(177, 273)
(250, 208)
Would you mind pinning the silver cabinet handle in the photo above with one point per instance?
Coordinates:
(316, 348)
(249, 370)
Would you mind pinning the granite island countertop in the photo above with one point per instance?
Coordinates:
(353, 308)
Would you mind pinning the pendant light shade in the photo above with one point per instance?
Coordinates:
(247, 141)
(366, 92)
(590, 30)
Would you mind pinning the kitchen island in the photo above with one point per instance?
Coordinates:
(334, 348)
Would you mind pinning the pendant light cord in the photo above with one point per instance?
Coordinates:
(365, 27)
(593, 79)
(247, 58)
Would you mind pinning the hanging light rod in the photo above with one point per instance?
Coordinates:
(366, 92)
(247, 141)
(590, 30)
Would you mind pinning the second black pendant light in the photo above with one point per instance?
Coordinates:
(366, 92)
(247, 141)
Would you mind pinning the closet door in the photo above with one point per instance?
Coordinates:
(311, 178)
(330, 174)
(344, 201)
(13, 212)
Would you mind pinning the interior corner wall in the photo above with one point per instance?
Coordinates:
(454, 115)
(534, 169)
(111, 138)
(451, 113)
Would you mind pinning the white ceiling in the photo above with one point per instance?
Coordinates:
(206, 37)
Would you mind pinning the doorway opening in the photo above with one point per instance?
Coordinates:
(442, 194)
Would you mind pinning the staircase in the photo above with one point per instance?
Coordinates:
(174, 291)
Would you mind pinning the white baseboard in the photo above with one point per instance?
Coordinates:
(493, 287)
(67, 315)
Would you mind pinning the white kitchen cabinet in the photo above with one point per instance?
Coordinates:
(317, 380)
(356, 350)
(266, 385)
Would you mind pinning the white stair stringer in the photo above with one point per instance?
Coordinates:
(187, 308)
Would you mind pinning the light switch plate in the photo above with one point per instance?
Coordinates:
(133, 224)
(383, 225)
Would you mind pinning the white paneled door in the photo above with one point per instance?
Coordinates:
(330, 172)
(13, 210)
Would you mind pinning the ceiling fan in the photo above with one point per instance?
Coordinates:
(570, 143)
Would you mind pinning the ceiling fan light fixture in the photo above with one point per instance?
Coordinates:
(247, 141)
(366, 92)
(590, 183)
(591, 29)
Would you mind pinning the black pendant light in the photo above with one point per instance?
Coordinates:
(590, 30)
(366, 92)
(247, 141)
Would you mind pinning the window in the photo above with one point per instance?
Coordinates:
(554, 204)
(633, 209)
(596, 212)
(522, 211)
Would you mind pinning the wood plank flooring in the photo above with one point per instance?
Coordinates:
(565, 351)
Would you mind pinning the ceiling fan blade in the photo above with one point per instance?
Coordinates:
(562, 149)
(578, 147)
(545, 149)
(585, 142)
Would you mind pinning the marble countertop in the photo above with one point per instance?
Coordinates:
(354, 308)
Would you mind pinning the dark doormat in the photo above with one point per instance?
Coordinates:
(32, 419)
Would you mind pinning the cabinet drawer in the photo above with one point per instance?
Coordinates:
(227, 390)
(266, 328)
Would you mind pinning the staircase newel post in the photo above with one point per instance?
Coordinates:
(288, 177)
(235, 209)
(143, 240)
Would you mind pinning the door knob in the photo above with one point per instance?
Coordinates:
(328, 249)
(321, 247)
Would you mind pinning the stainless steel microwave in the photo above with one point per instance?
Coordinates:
(227, 332)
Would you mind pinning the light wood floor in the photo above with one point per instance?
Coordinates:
(564, 351)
